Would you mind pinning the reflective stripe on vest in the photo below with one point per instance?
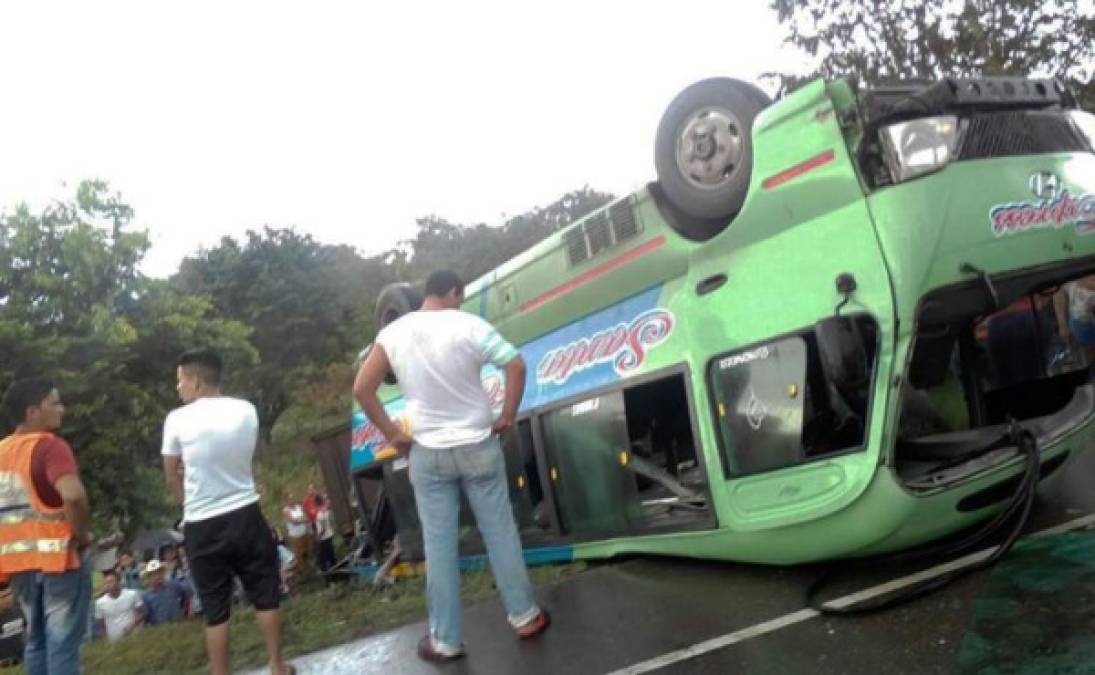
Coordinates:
(34, 545)
(12, 516)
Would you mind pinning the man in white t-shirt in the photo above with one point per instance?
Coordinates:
(208, 445)
(438, 354)
(119, 610)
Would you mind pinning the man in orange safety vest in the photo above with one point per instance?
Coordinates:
(44, 529)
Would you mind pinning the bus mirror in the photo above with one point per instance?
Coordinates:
(845, 354)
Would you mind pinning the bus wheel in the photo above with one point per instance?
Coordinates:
(703, 151)
(394, 301)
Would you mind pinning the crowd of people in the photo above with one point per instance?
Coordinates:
(310, 532)
(158, 593)
(230, 551)
(161, 590)
(45, 538)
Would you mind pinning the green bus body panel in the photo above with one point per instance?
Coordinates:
(930, 226)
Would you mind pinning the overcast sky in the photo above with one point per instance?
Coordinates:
(349, 120)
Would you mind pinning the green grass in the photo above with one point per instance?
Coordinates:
(313, 620)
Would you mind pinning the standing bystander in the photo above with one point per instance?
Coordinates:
(128, 573)
(438, 354)
(297, 530)
(310, 505)
(44, 532)
(212, 437)
(325, 535)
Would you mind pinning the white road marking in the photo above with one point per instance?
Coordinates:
(773, 625)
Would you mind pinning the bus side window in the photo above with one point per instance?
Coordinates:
(776, 407)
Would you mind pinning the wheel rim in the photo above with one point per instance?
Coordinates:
(710, 148)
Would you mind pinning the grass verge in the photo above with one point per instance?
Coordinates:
(311, 620)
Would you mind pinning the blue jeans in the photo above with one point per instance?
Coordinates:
(56, 608)
(437, 475)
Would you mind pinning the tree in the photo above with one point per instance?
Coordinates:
(306, 304)
(877, 40)
(474, 250)
(74, 306)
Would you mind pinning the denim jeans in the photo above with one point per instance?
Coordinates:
(437, 475)
(56, 608)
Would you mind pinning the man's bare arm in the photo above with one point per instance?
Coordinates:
(172, 475)
(76, 507)
(514, 372)
(366, 384)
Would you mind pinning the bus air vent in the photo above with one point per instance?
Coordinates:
(598, 233)
(575, 243)
(1008, 134)
(623, 220)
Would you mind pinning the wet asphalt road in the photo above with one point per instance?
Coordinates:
(625, 612)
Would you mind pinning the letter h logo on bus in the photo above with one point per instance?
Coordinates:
(625, 345)
(1056, 209)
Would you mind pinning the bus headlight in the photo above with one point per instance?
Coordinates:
(920, 146)
(1085, 122)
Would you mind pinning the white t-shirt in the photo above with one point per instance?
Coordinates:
(215, 436)
(118, 613)
(324, 530)
(296, 525)
(438, 356)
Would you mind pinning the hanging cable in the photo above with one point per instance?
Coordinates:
(1017, 508)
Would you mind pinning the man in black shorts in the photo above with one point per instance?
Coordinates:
(208, 445)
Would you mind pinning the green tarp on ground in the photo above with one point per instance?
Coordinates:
(1037, 613)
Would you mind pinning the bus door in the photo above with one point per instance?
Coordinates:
(586, 444)
(532, 504)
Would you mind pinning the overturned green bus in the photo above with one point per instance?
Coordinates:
(806, 339)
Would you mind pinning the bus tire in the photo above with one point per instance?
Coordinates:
(703, 151)
(394, 301)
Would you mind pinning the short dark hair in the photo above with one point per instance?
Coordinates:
(205, 363)
(110, 573)
(443, 282)
(166, 547)
(23, 394)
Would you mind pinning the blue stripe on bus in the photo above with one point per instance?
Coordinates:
(533, 556)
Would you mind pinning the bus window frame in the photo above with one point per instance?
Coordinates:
(723, 451)
(544, 456)
(555, 532)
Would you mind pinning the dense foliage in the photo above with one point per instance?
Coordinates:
(288, 313)
(877, 40)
